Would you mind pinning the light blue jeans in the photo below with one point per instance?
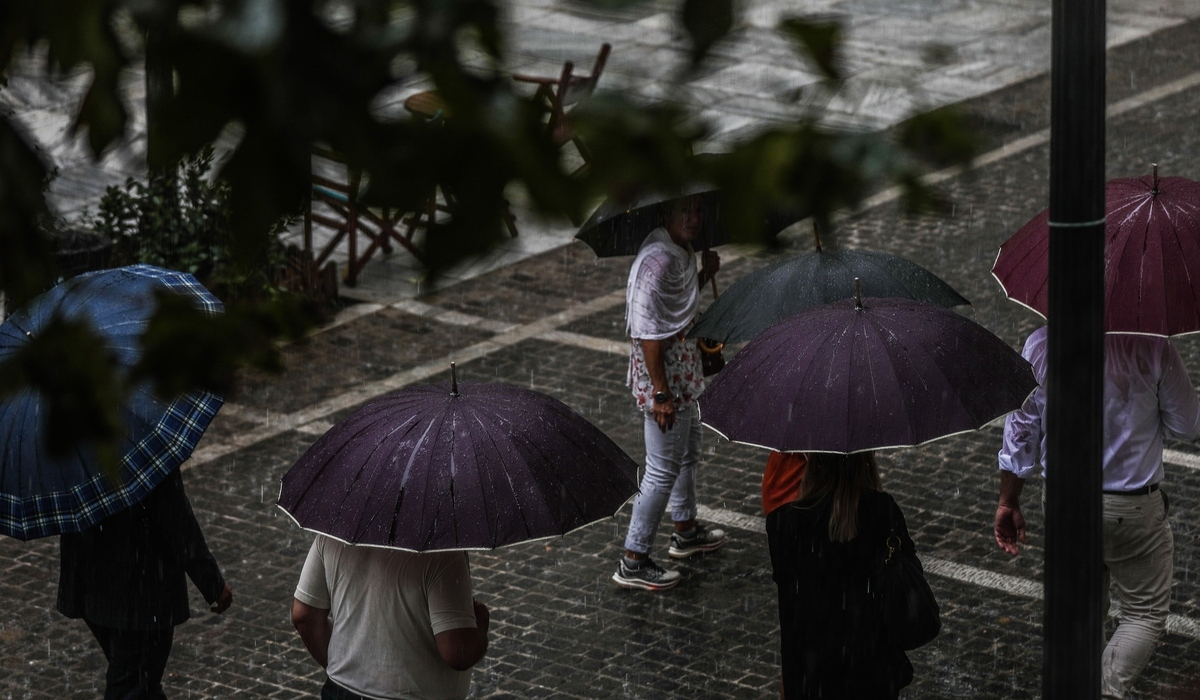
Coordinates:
(669, 477)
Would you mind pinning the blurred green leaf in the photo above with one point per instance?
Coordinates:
(636, 148)
(819, 40)
(706, 22)
(184, 348)
(942, 137)
(275, 73)
(75, 373)
(87, 38)
(26, 268)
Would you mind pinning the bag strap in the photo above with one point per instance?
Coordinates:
(892, 542)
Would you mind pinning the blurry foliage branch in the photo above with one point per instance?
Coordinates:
(176, 219)
(289, 74)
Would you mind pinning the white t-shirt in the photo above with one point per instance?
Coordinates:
(386, 606)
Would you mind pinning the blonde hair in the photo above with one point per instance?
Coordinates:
(843, 476)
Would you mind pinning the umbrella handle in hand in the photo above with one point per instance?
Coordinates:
(713, 279)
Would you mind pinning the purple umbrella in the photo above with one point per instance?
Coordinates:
(1151, 257)
(855, 376)
(476, 466)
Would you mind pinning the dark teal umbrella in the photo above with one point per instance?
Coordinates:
(764, 297)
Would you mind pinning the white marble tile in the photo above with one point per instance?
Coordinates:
(758, 79)
(1124, 27)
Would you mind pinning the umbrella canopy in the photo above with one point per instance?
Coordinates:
(479, 466)
(844, 378)
(42, 495)
(619, 227)
(767, 296)
(1151, 251)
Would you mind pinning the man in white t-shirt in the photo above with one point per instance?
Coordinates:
(389, 624)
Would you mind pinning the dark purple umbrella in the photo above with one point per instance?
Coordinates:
(472, 466)
(1151, 257)
(845, 378)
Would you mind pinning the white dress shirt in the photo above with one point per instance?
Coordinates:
(1146, 393)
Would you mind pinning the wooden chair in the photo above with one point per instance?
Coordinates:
(430, 105)
(563, 93)
(349, 220)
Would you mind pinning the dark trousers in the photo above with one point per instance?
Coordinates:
(333, 691)
(136, 661)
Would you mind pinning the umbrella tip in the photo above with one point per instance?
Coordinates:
(817, 236)
(857, 294)
(1154, 166)
(453, 379)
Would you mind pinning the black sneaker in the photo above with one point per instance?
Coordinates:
(703, 540)
(649, 576)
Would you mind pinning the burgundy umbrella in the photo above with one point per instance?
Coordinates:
(1151, 251)
(854, 376)
(471, 466)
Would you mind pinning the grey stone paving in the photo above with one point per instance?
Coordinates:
(561, 629)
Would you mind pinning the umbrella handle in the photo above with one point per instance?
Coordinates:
(712, 279)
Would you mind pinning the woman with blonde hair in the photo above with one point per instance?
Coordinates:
(825, 554)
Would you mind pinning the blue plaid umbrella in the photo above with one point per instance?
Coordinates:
(42, 496)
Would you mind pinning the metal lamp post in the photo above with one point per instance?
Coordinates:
(1075, 374)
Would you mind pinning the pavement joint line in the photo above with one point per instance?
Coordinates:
(1036, 139)
(587, 342)
(399, 380)
(962, 573)
(1181, 459)
(277, 425)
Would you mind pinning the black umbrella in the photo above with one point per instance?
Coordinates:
(470, 466)
(865, 375)
(764, 297)
(618, 227)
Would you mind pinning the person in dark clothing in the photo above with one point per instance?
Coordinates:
(825, 555)
(125, 578)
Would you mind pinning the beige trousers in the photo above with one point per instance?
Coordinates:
(1138, 549)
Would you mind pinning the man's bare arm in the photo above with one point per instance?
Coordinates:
(463, 648)
(656, 366)
(1010, 521)
(315, 629)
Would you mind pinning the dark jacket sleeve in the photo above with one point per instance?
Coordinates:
(181, 536)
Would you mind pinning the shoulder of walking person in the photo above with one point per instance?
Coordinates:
(884, 515)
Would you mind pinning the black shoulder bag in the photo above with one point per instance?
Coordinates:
(910, 611)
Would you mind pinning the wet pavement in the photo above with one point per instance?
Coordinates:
(554, 322)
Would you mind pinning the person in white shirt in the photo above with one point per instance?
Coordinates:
(1147, 394)
(386, 624)
(666, 376)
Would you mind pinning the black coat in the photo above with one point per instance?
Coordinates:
(127, 572)
(832, 637)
